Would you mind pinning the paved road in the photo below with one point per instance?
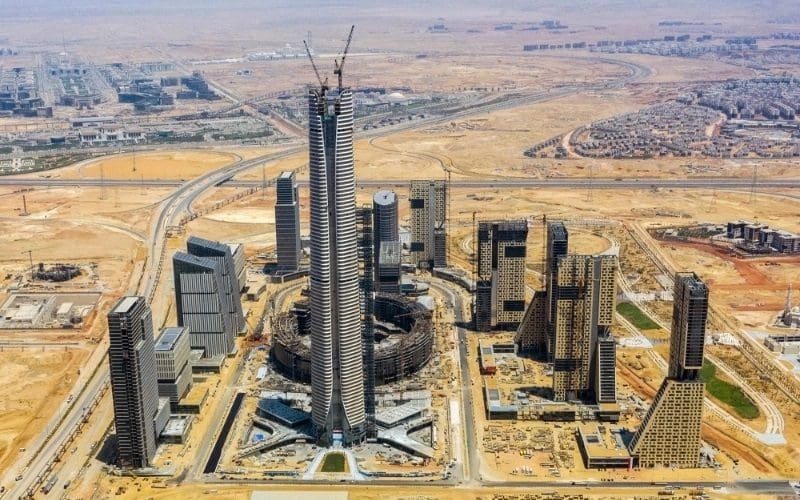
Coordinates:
(467, 408)
(756, 486)
(569, 182)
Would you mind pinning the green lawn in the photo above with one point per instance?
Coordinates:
(639, 319)
(334, 462)
(728, 393)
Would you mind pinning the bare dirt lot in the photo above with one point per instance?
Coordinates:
(33, 383)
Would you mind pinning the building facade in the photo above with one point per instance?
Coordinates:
(659, 441)
(133, 381)
(222, 253)
(428, 200)
(531, 336)
(200, 300)
(689, 315)
(500, 287)
(389, 275)
(384, 223)
(337, 382)
(287, 223)
(557, 245)
(173, 370)
(583, 296)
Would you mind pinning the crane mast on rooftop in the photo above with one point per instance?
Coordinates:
(323, 84)
(338, 66)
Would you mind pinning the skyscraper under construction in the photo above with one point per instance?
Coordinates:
(428, 200)
(583, 293)
(500, 287)
(669, 434)
(337, 375)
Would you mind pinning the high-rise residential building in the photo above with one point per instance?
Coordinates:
(388, 276)
(583, 295)
(689, 315)
(557, 245)
(428, 202)
(384, 224)
(337, 380)
(222, 253)
(659, 441)
(200, 300)
(500, 285)
(173, 370)
(133, 381)
(287, 223)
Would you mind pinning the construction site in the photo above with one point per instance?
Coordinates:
(112, 159)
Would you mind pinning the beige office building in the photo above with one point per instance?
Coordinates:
(584, 295)
(500, 287)
(669, 435)
(428, 200)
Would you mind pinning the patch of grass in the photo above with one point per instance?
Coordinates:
(334, 462)
(635, 315)
(731, 395)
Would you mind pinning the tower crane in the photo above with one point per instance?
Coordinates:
(323, 84)
(338, 66)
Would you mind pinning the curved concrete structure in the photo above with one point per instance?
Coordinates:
(337, 381)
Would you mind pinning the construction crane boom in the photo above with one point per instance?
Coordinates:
(339, 65)
(322, 83)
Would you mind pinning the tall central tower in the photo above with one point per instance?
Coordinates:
(337, 374)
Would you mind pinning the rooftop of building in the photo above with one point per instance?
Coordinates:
(557, 229)
(166, 341)
(385, 197)
(393, 415)
(504, 225)
(286, 175)
(204, 263)
(603, 441)
(125, 304)
(282, 412)
(177, 426)
(210, 244)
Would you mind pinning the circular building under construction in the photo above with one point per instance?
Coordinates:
(403, 340)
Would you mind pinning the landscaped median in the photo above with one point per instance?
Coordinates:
(334, 462)
(730, 394)
(637, 318)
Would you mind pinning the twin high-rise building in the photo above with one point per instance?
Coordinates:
(500, 287)
(569, 322)
(207, 296)
(223, 254)
(582, 294)
(429, 223)
(139, 417)
(200, 300)
(337, 374)
(669, 434)
(287, 223)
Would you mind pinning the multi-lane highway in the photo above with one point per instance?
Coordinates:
(484, 183)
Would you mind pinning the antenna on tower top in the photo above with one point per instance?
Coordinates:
(338, 66)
